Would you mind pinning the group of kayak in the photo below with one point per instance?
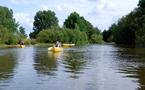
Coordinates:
(56, 48)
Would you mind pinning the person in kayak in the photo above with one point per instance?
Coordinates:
(58, 44)
(21, 42)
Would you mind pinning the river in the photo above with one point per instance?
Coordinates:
(91, 67)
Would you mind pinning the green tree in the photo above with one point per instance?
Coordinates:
(72, 20)
(8, 26)
(7, 20)
(22, 32)
(63, 35)
(75, 21)
(108, 36)
(129, 29)
(43, 20)
(141, 3)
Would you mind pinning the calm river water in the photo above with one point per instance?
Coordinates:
(92, 67)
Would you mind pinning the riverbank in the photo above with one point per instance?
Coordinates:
(9, 46)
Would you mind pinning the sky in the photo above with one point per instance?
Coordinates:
(101, 13)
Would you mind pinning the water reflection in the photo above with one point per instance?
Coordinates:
(132, 64)
(95, 67)
(74, 63)
(7, 65)
(46, 62)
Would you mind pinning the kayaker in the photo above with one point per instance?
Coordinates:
(58, 44)
(21, 42)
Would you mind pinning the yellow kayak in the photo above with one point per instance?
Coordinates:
(22, 46)
(68, 45)
(55, 49)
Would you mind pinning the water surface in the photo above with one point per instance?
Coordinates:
(92, 67)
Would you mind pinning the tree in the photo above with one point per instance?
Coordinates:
(72, 20)
(108, 36)
(8, 26)
(43, 20)
(130, 29)
(75, 21)
(22, 31)
(64, 35)
(141, 3)
(7, 20)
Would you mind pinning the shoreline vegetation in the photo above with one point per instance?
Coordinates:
(76, 29)
(129, 30)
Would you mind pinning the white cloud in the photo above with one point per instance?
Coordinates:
(105, 13)
(18, 2)
(25, 20)
(43, 7)
(62, 7)
(80, 1)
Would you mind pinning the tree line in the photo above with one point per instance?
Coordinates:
(130, 29)
(75, 29)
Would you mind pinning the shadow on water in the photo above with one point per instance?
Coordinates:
(74, 62)
(132, 64)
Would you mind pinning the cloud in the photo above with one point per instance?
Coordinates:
(24, 20)
(18, 2)
(80, 1)
(43, 7)
(105, 13)
(62, 7)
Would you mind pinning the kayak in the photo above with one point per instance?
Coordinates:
(68, 45)
(55, 49)
(22, 46)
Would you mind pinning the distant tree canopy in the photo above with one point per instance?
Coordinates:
(77, 22)
(74, 21)
(130, 29)
(108, 36)
(22, 32)
(43, 20)
(76, 29)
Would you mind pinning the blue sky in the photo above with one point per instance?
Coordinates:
(101, 13)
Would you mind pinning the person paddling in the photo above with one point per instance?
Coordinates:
(58, 44)
(21, 42)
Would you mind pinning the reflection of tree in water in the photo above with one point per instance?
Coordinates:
(74, 63)
(132, 64)
(7, 65)
(45, 63)
(136, 73)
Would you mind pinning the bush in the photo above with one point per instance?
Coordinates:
(11, 40)
(96, 38)
(62, 35)
(33, 41)
(27, 41)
